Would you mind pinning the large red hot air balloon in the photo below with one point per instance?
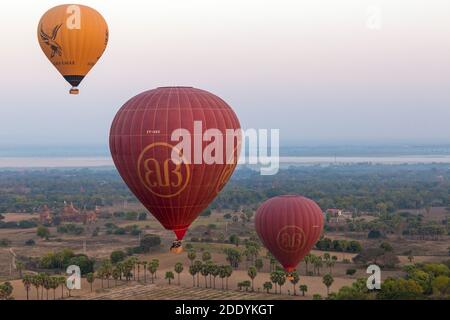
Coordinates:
(176, 190)
(289, 226)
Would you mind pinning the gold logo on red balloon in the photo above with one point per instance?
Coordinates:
(159, 173)
(291, 238)
(225, 176)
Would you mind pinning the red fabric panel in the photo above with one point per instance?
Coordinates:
(289, 226)
(140, 143)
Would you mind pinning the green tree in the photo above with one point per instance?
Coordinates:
(214, 270)
(281, 279)
(179, 269)
(205, 272)
(303, 289)
(308, 259)
(90, 278)
(267, 286)
(54, 284)
(274, 278)
(399, 289)
(228, 273)
(328, 281)
(27, 282)
(6, 290)
(43, 232)
(441, 286)
(193, 271)
(117, 256)
(152, 268)
(191, 256)
(198, 266)
(233, 256)
(252, 272)
(206, 256)
(169, 276)
(234, 239)
(294, 279)
(259, 264)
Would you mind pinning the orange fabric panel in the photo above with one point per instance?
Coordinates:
(73, 37)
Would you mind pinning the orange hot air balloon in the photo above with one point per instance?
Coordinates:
(73, 37)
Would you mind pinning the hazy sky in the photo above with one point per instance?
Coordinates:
(316, 69)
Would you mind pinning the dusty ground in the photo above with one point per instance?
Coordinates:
(102, 245)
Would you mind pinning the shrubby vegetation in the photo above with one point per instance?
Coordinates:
(70, 228)
(60, 260)
(327, 244)
(422, 281)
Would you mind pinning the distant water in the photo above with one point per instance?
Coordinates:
(86, 162)
(55, 162)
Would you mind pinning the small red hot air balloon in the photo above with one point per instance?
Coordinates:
(175, 190)
(289, 226)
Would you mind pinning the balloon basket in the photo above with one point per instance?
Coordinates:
(176, 248)
(289, 277)
(74, 91)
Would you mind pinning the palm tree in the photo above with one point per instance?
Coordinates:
(90, 279)
(198, 265)
(281, 279)
(274, 278)
(155, 262)
(139, 269)
(101, 275)
(54, 284)
(294, 279)
(267, 286)
(116, 274)
(214, 271)
(259, 264)
(179, 269)
(46, 283)
(205, 272)
(303, 289)
(330, 265)
(133, 262)
(252, 272)
(206, 256)
(120, 267)
(193, 272)
(191, 256)
(153, 267)
(144, 264)
(169, 276)
(222, 274)
(36, 282)
(228, 272)
(62, 283)
(20, 266)
(328, 281)
(107, 270)
(27, 282)
(308, 258)
(318, 263)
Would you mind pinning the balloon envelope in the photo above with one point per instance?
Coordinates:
(289, 226)
(73, 37)
(142, 147)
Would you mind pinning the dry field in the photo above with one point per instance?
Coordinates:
(171, 292)
(101, 246)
